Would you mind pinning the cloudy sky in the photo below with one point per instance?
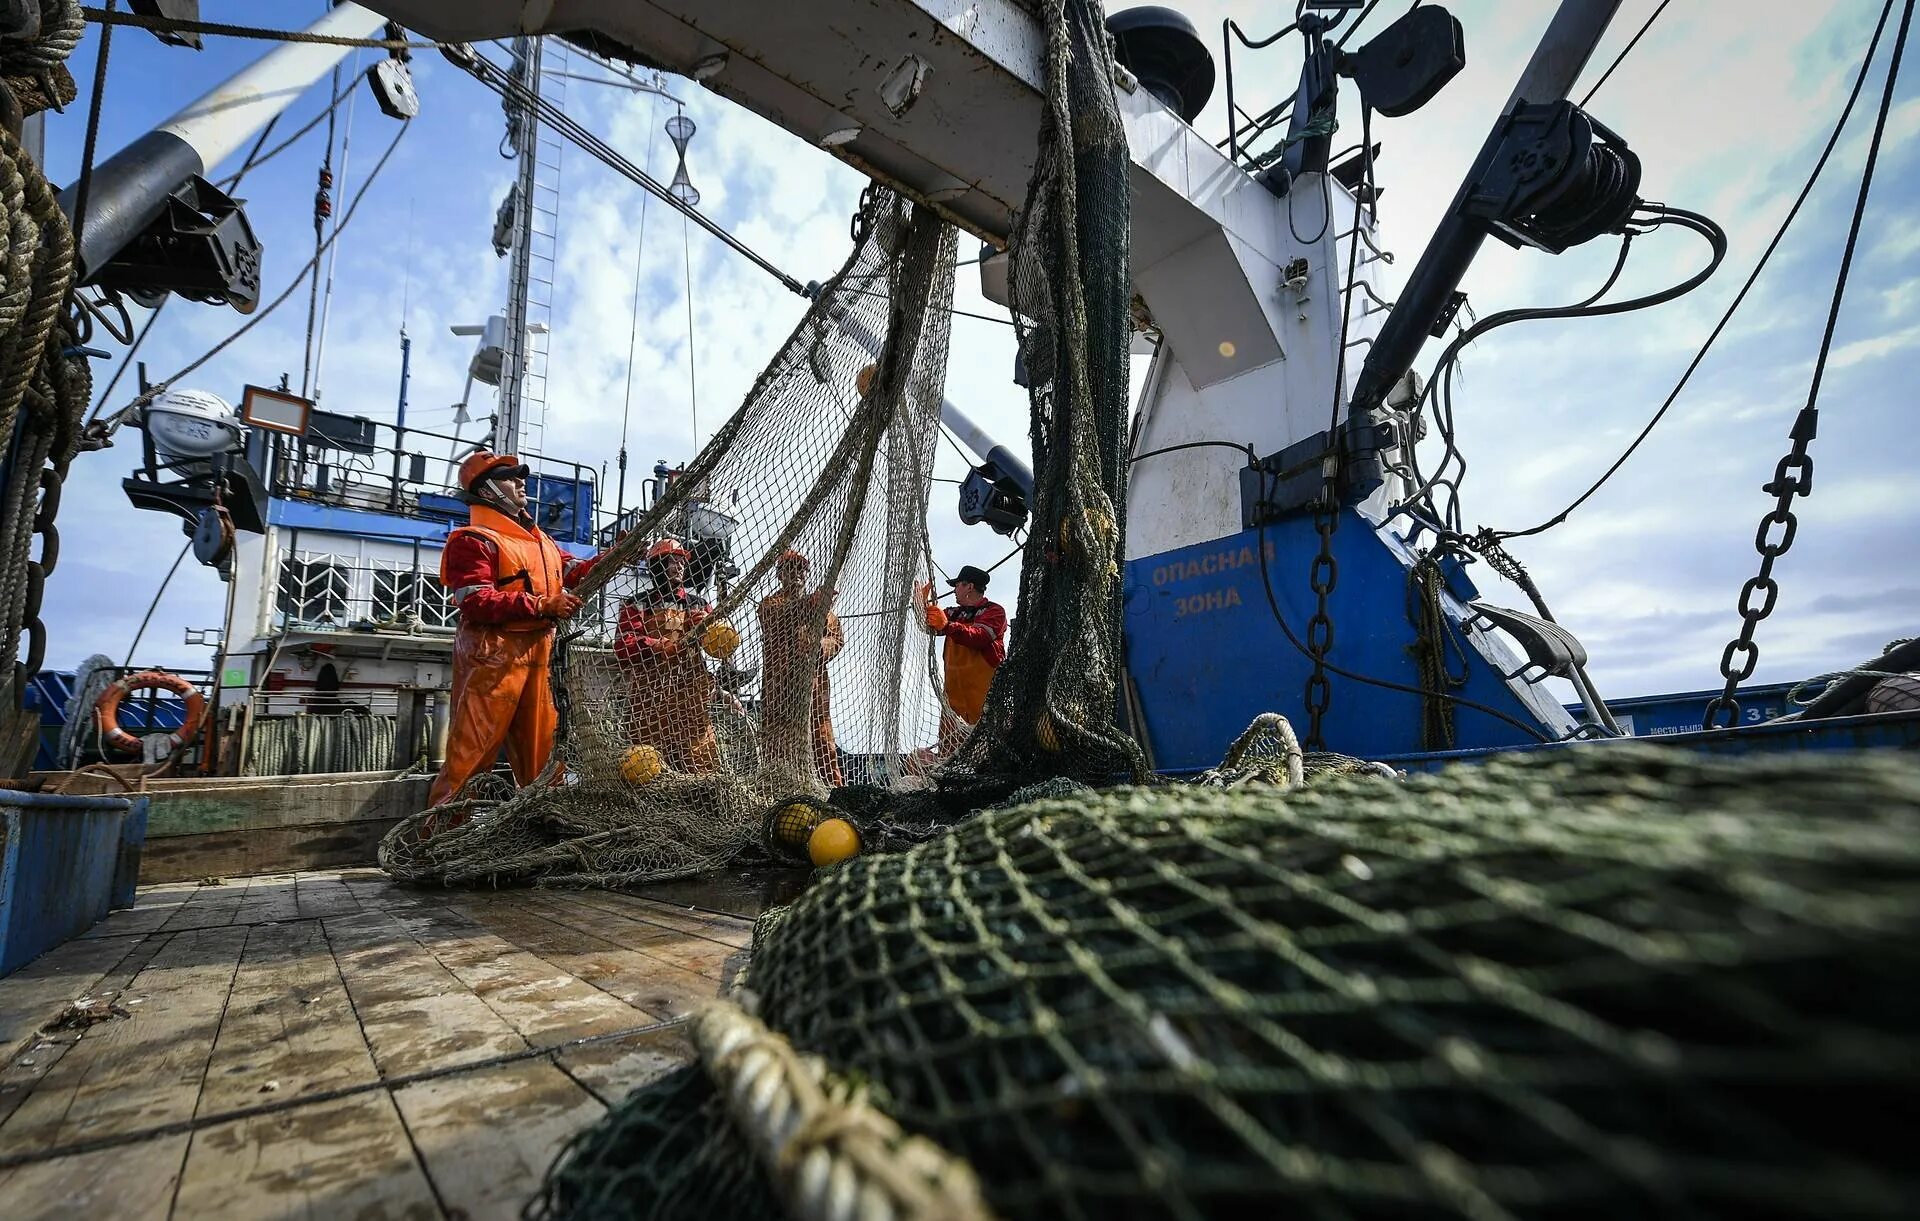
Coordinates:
(1726, 105)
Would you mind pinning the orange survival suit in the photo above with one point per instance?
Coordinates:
(976, 645)
(657, 641)
(504, 576)
(794, 656)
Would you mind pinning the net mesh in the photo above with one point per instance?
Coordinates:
(750, 639)
(1611, 981)
(804, 530)
(1050, 711)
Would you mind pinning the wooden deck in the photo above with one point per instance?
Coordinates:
(329, 1044)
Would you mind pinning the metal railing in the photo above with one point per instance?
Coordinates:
(356, 463)
(320, 589)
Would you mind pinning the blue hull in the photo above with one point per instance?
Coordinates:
(1207, 656)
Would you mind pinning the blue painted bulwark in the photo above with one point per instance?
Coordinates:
(64, 863)
(1657, 716)
(562, 506)
(52, 690)
(1873, 731)
(1207, 657)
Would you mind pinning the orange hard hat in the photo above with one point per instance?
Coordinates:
(788, 557)
(666, 547)
(484, 465)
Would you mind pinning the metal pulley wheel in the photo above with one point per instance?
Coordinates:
(213, 536)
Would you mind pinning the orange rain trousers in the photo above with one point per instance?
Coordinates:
(501, 697)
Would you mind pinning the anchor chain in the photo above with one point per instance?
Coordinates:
(1322, 577)
(1792, 478)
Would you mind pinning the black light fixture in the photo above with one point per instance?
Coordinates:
(1164, 52)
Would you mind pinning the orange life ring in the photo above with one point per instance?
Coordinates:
(106, 712)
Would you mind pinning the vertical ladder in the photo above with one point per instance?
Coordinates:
(543, 246)
(536, 235)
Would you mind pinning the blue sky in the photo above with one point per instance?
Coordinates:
(1725, 104)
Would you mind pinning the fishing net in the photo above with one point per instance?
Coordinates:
(1598, 982)
(750, 639)
(751, 648)
(1050, 711)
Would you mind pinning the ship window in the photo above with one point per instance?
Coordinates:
(314, 589)
(401, 591)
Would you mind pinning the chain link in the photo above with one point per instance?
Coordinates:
(1322, 578)
(1792, 478)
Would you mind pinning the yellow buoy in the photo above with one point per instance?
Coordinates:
(793, 825)
(1046, 735)
(720, 640)
(641, 765)
(832, 841)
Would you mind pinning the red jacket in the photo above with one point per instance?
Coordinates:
(470, 568)
(976, 645)
(982, 628)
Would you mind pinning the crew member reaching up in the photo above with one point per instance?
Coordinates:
(976, 636)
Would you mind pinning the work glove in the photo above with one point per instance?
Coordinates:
(932, 615)
(561, 605)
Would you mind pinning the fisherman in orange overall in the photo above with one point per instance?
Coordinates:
(798, 637)
(976, 644)
(658, 641)
(509, 582)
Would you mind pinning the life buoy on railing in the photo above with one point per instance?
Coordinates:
(106, 712)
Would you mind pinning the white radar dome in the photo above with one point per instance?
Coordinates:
(192, 424)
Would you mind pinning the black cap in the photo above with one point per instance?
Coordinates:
(519, 471)
(971, 575)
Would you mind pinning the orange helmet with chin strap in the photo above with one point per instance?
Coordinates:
(666, 547)
(483, 465)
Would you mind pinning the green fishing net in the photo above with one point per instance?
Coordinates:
(1602, 981)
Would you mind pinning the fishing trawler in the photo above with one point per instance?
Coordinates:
(316, 727)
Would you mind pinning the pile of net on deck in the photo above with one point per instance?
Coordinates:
(677, 731)
(1601, 982)
(670, 764)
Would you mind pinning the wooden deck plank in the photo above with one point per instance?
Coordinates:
(481, 1166)
(289, 1027)
(132, 1182)
(332, 979)
(208, 907)
(269, 900)
(321, 896)
(415, 1013)
(165, 894)
(613, 1069)
(37, 1052)
(123, 1076)
(546, 1003)
(349, 1157)
(45, 986)
(644, 980)
(604, 916)
(135, 921)
(727, 930)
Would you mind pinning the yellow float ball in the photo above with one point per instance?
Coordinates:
(794, 823)
(641, 765)
(1047, 735)
(832, 841)
(721, 640)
